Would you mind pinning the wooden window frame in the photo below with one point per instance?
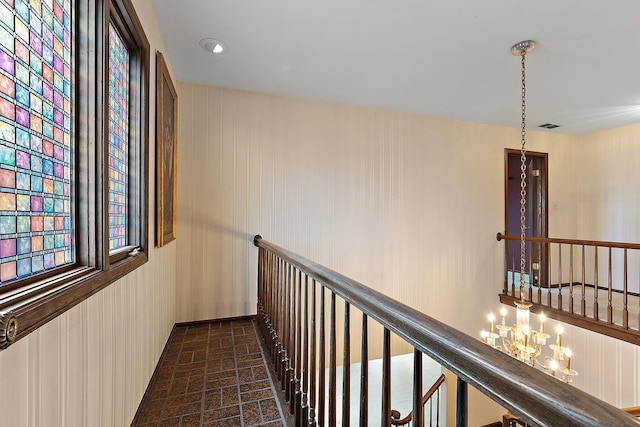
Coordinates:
(138, 158)
(28, 304)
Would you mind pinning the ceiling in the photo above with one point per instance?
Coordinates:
(447, 58)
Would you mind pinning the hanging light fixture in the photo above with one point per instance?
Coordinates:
(520, 340)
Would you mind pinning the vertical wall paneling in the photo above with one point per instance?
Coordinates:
(34, 381)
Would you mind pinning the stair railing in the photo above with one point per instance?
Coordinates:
(591, 284)
(298, 342)
(432, 396)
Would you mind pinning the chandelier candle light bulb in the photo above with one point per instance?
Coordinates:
(541, 337)
(490, 336)
(503, 328)
(559, 331)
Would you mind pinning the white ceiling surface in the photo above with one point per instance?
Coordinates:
(447, 58)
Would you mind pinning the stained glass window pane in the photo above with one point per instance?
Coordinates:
(118, 139)
(36, 222)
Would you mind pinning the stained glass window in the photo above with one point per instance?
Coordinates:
(118, 139)
(36, 221)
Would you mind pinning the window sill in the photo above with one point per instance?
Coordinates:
(24, 310)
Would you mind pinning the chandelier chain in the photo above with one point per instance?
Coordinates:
(523, 176)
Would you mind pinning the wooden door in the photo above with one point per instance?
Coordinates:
(536, 213)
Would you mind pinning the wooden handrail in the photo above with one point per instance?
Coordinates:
(395, 414)
(532, 395)
(634, 410)
(509, 419)
(620, 245)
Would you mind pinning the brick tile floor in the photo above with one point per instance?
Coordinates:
(211, 374)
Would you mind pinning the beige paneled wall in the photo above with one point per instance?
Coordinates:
(91, 366)
(608, 208)
(404, 203)
(607, 193)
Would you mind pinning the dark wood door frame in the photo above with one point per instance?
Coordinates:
(541, 184)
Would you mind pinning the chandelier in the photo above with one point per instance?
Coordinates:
(519, 340)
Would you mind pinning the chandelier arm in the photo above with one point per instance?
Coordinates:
(506, 344)
(537, 353)
(545, 367)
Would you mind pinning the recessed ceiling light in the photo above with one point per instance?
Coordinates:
(213, 46)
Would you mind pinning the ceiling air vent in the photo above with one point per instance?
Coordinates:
(549, 126)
